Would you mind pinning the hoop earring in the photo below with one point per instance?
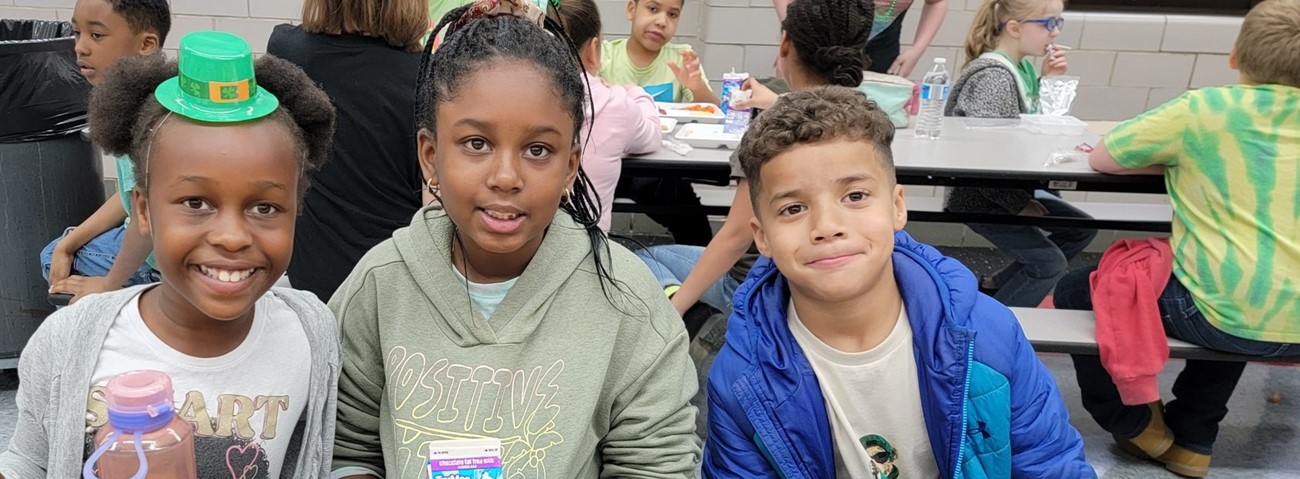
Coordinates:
(568, 197)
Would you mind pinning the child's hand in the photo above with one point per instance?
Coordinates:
(905, 62)
(1034, 208)
(762, 98)
(1054, 63)
(80, 286)
(60, 263)
(688, 72)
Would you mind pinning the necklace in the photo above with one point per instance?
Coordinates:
(889, 12)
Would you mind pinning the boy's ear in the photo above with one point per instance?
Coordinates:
(140, 213)
(900, 208)
(1232, 60)
(760, 238)
(785, 46)
(631, 9)
(426, 147)
(149, 43)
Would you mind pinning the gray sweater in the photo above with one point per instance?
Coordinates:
(56, 366)
(987, 89)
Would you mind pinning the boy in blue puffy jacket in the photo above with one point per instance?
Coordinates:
(853, 350)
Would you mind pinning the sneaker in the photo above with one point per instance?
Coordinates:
(1153, 441)
(1185, 463)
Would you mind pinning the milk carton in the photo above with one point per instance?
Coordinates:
(465, 459)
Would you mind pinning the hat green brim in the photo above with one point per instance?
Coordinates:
(260, 104)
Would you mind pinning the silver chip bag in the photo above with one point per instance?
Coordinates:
(1056, 94)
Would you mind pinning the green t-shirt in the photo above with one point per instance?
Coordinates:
(1232, 166)
(126, 183)
(657, 79)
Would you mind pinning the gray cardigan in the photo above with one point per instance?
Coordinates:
(987, 89)
(55, 369)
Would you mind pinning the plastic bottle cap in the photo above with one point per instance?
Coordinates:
(139, 392)
(941, 60)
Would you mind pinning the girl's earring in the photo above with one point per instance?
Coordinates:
(434, 192)
(568, 197)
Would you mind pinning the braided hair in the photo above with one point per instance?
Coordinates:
(471, 44)
(831, 37)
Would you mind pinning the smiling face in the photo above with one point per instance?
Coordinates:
(501, 174)
(220, 208)
(103, 37)
(829, 229)
(654, 22)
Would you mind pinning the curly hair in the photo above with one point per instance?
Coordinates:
(831, 37)
(123, 111)
(143, 15)
(819, 114)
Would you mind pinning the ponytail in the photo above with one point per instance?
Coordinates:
(983, 35)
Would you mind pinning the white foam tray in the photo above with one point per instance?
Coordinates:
(708, 136)
(675, 111)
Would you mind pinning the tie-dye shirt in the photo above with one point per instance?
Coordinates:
(1232, 166)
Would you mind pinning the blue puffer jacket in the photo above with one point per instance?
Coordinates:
(991, 408)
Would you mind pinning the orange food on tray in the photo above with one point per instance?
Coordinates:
(702, 108)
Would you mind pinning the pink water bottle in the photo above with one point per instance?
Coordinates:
(144, 438)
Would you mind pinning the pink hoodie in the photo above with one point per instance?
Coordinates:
(626, 122)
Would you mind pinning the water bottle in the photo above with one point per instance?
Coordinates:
(934, 93)
(144, 438)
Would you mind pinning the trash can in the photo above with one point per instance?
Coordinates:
(49, 173)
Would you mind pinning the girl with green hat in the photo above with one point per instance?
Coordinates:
(219, 144)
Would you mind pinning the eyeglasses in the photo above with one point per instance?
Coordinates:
(1050, 23)
(881, 457)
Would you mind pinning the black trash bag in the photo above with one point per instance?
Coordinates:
(42, 92)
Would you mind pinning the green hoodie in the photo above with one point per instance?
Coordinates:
(572, 385)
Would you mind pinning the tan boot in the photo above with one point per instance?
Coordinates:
(1186, 463)
(1153, 441)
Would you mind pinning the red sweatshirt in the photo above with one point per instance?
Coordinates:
(1130, 334)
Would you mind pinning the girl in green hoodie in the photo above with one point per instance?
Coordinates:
(504, 312)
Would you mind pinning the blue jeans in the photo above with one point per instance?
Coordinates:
(1202, 389)
(96, 258)
(673, 262)
(1041, 254)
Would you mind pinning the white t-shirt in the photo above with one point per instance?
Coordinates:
(244, 405)
(874, 405)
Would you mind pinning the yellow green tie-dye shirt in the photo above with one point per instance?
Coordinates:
(1232, 166)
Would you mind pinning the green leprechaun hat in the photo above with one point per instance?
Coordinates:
(216, 82)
